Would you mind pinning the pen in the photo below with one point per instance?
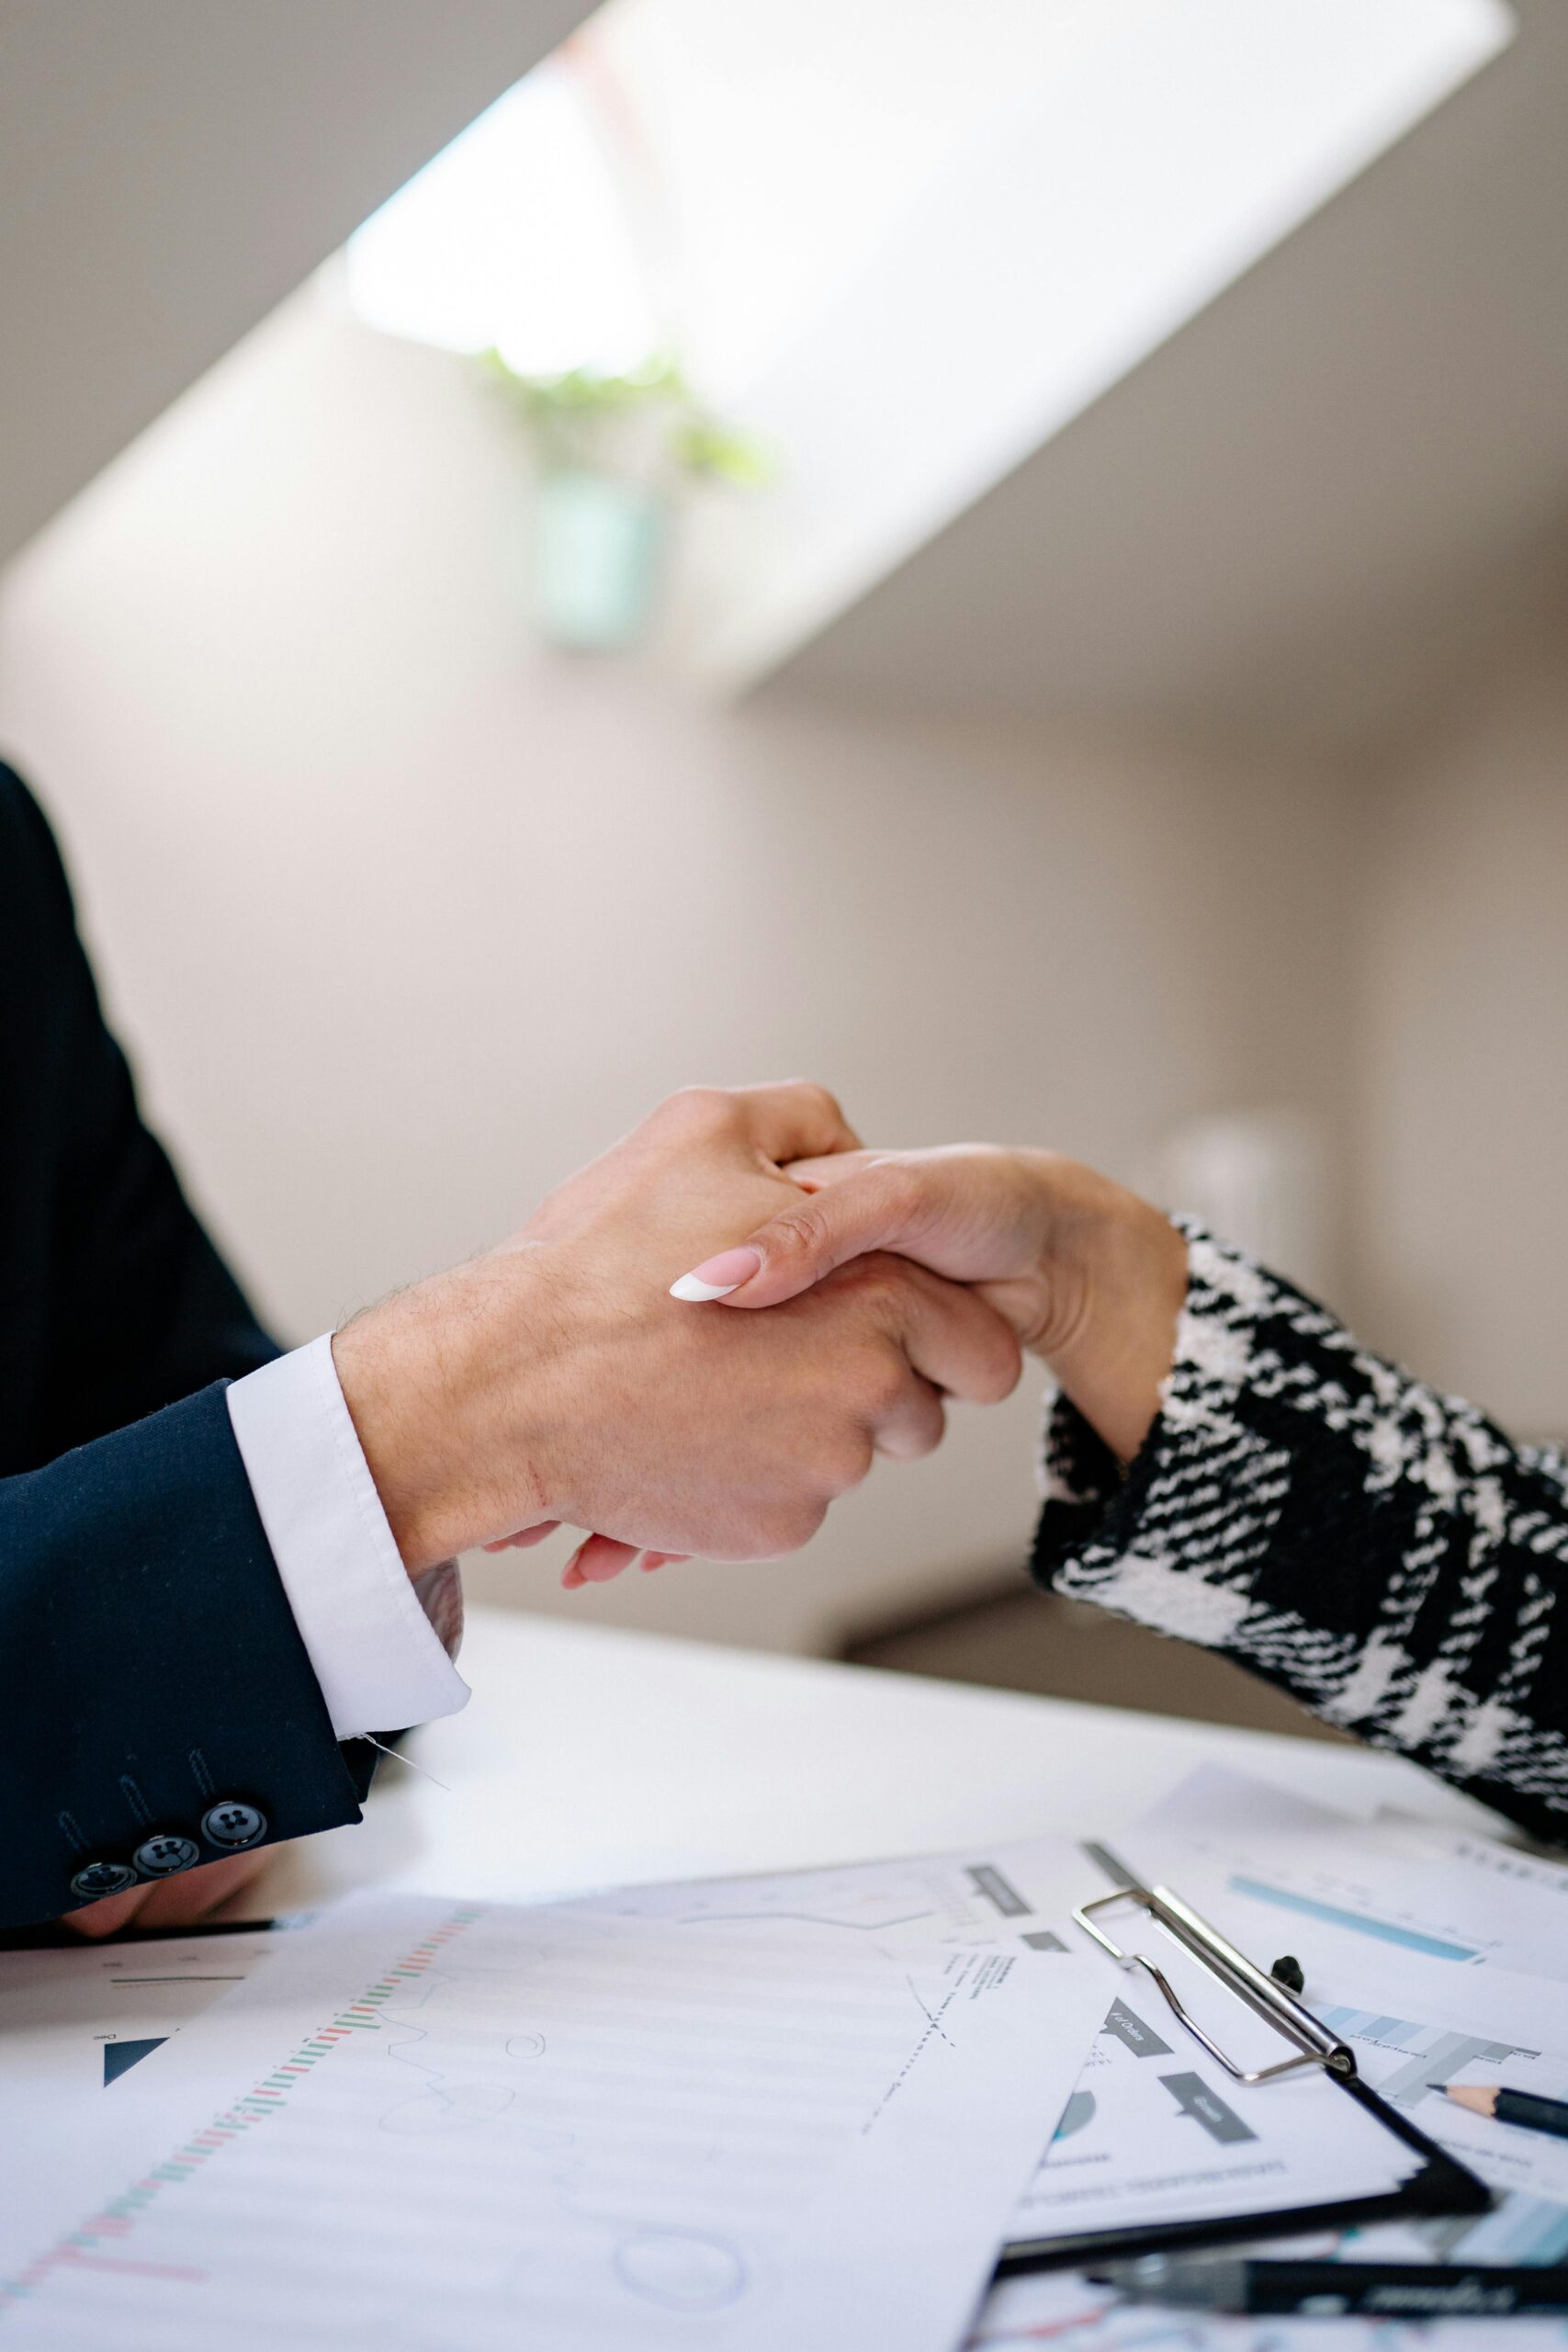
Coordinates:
(1510, 2106)
(1328, 2289)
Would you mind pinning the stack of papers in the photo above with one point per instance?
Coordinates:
(808, 2108)
(1439, 1956)
(780, 2112)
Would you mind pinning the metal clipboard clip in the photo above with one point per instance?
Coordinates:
(1313, 2044)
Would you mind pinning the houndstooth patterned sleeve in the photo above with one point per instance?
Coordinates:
(1381, 1552)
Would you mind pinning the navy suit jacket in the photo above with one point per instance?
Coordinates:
(160, 1708)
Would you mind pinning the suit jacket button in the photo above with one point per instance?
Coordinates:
(162, 1857)
(230, 1825)
(95, 1880)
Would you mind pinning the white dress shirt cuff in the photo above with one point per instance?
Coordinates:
(378, 1660)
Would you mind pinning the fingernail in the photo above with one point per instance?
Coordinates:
(717, 1277)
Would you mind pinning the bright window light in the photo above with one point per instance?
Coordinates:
(515, 239)
(904, 241)
(699, 174)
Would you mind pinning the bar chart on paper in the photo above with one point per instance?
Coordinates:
(562, 2127)
(1334, 1907)
(1263, 1856)
(1524, 2226)
(1436, 2053)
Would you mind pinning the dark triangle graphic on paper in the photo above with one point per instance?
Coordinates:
(120, 2056)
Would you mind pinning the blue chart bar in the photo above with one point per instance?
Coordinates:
(1436, 2056)
(1390, 2033)
(1435, 1947)
(1527, 2229)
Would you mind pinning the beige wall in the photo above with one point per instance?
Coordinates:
(403, 917)
(1461, 1148)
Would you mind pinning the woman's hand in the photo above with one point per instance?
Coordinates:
(1090, 1277)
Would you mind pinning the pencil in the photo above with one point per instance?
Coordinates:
(1527, 2107)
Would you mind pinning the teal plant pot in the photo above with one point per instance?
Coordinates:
(597, 550)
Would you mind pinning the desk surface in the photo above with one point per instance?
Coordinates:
(589, 1756)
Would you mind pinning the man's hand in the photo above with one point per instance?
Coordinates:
(554, 1379)
(1090, 1277)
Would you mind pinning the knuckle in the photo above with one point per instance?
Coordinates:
(844, 1459)
(797, 1233)
(885, 1385)
(854, 1465)
(998, 1368)
(934, 1432)
(790, 1526)
(818, 1097)
(914, 1438)
(697, 1109)
(878, 1278)
(900, 1189)
(1008, 1362)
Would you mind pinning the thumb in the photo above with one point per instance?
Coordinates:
(872, 1207)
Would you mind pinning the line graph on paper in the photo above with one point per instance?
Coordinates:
(573, 2125)
(434, 2046)
(917, 1900)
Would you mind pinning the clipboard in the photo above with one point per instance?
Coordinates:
(1437, 2185)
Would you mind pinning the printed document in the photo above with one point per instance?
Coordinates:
(1281, 1869)
(784, 2114)
(78, 2019)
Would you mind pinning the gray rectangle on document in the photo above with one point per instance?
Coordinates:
(987, 1880)
(1194, 2098)
(1128, 2026)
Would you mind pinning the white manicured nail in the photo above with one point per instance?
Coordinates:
(717, 1277)
(700, 1293)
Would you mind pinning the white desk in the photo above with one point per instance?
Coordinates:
(587, 1756)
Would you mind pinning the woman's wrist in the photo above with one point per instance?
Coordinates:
(1116, 1277)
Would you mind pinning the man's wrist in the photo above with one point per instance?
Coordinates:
(373, 1645)
(432, 1378)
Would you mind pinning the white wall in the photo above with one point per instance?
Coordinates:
(1463, 1145)
(168, 174)
(405, 918)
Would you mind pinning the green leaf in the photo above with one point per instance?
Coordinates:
(572, 418)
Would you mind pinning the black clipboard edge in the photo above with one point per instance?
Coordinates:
(1441, 2186)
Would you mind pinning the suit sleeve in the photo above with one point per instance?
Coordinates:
(1382, 1552)
(142, 1309)
(160, 1708)
(162, 1711)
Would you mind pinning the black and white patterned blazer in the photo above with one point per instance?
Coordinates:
(1381, 1552)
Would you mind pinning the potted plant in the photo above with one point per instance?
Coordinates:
(611, 455)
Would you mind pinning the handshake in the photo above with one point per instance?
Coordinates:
(703, 1338)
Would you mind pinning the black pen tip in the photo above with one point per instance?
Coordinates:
(1439, 2086)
